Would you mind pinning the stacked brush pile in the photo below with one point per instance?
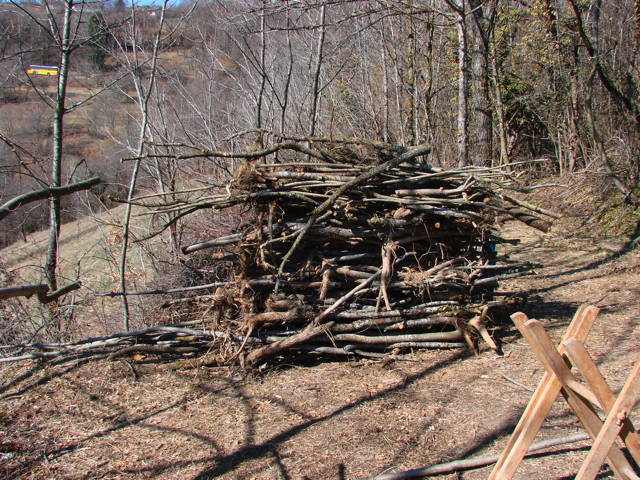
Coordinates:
(364, 252)
(353, 249)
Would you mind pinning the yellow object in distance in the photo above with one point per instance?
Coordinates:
(42, 70)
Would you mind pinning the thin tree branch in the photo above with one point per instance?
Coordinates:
(45, 193)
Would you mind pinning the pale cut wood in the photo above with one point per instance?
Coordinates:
(533, 416)
(346, 297)
(541, 401)
(478, 323)
(546, 352)
(582, 390)
(582, 360)
(612, 426)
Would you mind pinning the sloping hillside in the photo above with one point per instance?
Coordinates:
(90, 250)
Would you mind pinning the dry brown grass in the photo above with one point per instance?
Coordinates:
(89, 252)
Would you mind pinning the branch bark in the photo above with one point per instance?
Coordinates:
(58, 138)
(53, 192)
(143, 103)
(475, 462)
(609, 83)
(327, 204)
(318, 69)
(39, 290)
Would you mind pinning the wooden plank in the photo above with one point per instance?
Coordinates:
(582, 390)
(612, 426)
(546, 352)
(582, 360)
(541, 401)
(528, 416)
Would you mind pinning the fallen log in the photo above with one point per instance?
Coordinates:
(528, 218)
(529, 206)
(427, 345)
(421, 322)
(45, 193)
(391, 324)
(477, 462)
(393, 339)
(306, 335)
(424, 309)
(39, 290)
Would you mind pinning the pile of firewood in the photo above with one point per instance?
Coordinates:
(363, 255)
(358, 250)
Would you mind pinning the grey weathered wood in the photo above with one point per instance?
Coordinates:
(476, 462)
(40, 290)
(45, 193)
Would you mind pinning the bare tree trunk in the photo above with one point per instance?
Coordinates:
(263, 73)
(570, 121)
(58, 139)
(143, 99)
(502, 127)
(595, 11)
(397, 84)
(385, 88)
(550, 23)
(483, 125)
(463, 88)
(318, 69)
(492, 55)
(590, 113)
(428, 76)
(627, 102)
(287, 85)
(573, 113)
(637, 19)
(550, 18)
(412, 79)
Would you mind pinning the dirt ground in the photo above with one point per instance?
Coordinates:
(333, 420)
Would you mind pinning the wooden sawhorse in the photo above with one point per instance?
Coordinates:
(582, 399)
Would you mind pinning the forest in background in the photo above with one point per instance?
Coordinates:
(145, 92)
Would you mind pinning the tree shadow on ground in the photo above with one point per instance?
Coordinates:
(249, 451)
(50, 372)
(120, 421)
(221, 463)
(118, 414)
(40, 247)
(558, 314)
(591, 265)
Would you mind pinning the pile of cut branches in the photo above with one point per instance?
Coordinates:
(353, 249)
